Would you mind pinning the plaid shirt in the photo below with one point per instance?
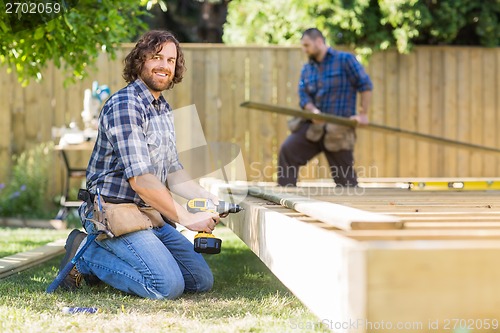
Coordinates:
(135, 137)
(332, 84)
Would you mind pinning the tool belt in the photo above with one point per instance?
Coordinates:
(335, 137)
(121, 217)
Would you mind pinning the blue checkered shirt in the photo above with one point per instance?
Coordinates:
(135, 137)
(332, 84)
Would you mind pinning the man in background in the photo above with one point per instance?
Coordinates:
(329, 83)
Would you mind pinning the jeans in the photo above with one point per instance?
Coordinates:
(157, 263)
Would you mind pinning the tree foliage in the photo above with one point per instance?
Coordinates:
(366, 25)
(71, 38)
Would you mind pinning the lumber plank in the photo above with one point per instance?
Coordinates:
(373, 273)
(375, 127)
(342, 217)
(320, 257)
(18, 262)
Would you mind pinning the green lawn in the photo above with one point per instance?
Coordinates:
(14, 240)
(246, 297)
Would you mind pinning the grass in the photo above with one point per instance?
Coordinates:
(14, 240)
(246, 297)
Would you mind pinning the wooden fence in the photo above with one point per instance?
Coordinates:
(451, 92)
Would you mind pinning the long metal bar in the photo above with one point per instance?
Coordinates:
(374, 127)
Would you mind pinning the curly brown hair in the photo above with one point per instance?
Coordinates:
(151, 43)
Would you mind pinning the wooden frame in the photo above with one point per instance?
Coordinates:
(360, 280)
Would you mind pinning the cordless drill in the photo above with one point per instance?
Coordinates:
(205, 242)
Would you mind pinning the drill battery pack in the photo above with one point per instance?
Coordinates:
(207, 243)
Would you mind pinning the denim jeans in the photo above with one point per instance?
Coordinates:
(157, 263)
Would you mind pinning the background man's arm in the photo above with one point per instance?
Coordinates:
(362, 116)
(363, 84)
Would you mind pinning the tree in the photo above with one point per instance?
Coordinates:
(366, 25)
(192, 21)
(71, 33)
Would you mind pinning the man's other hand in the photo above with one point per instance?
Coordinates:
(317, 111)
(203, 221)
(362, 119)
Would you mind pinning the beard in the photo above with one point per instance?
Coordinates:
(314, 55)
(156, 83)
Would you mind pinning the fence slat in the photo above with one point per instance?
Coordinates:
(449, 123)
(436, 111)
(463, 109)
(424, 107)
(489, 110)
(240, 117)
(497, 86)
(391, 112)
(476, 110)
(377, 111)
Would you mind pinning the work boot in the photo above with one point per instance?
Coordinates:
(74, 279)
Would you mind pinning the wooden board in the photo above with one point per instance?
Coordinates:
(18, 262)
(374, 127)
(339, 216)
(371, 274)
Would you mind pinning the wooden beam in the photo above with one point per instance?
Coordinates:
(371, 274)
(305, 259)
(339, 216)
(374, 127)
(18, 262)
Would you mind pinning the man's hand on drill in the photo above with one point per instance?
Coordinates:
(203, 221)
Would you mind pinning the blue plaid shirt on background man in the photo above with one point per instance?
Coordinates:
(332, 85)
